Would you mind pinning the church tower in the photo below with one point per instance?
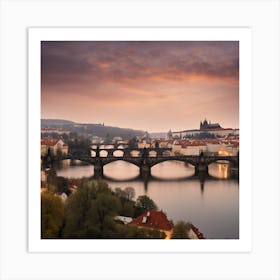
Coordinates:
(169, 134)
(204, 124)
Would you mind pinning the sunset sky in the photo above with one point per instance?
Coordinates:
(154, 86)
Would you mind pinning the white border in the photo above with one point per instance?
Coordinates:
(243, 35)
(262, 16)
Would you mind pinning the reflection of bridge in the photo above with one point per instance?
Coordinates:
(145, 159)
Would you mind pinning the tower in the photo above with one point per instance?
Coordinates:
(169, 134)
(204, 124)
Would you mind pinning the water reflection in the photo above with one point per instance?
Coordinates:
(215, 210)
(212, 205)
(121, 170)
(219, 170)
(172, 170)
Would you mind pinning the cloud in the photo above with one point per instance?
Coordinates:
(123, 74)
(76, 62)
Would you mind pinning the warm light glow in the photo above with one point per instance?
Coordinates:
(141, 85)
(223, 170)
(224, 153)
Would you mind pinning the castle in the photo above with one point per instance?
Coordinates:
(205, 125)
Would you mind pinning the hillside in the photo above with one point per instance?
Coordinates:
(91, 129)
(54, 122)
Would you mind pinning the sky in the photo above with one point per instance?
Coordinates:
(146, 85)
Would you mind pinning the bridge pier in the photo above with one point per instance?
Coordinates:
(145, 171)
(201, 170)
(98, 170)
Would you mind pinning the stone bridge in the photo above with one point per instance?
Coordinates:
(145, 159)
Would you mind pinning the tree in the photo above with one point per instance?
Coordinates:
(88, 211)
(132, 143)
(181, 230)
(51, 176)
(129, 193)
(59, 153)
(62, 185)
(127, 209)
(145, 202)
(51, 215)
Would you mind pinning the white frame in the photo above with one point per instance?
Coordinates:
(262, 262)
(243, 35)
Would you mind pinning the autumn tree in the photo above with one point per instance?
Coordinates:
(51, 215)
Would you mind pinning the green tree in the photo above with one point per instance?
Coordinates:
(62, 185)
(51, 215)
(143, 201)
(128, 209)
(87, 209)
(120, 193)
(181, 230)
(51, 176)
(125, 197)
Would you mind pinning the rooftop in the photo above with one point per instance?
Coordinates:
(153, 219)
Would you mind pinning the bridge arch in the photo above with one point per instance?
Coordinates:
(219, 169)
(122, 146)
(118, 153)
(172, 169)
(103, 153)
(170, 159)
(135, 153)
(222, 160)
(117, 170)
(120, 159)
(167, 153)
(152, 153)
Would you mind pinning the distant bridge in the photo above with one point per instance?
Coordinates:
(144, 158)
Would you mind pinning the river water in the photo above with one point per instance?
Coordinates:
(212, 206)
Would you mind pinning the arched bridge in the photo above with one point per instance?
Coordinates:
(144, 158)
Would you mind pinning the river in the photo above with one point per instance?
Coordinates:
(212, 206)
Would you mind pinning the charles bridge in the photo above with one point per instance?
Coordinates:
(145, 159)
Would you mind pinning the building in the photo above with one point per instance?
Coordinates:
(123, 219)
(206, 126)
(193, 148)
(54, 145)
(154, 220)
(143, 144)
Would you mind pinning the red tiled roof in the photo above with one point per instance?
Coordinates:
(197, 232)
(49, 141)
(198, 143)
(212, 141)
(153, 219)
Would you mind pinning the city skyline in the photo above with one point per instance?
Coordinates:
(154, 86)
